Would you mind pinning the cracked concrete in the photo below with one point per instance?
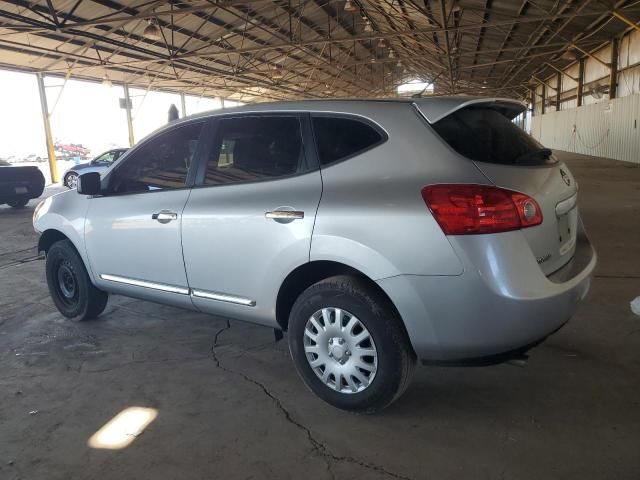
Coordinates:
(231, 406)
(318, 446)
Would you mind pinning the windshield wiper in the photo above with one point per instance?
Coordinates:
(533, 154)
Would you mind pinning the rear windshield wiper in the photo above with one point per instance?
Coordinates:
(525, 158)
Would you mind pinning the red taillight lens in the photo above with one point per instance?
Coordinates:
(472, 209)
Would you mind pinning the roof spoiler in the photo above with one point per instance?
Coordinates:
(435, 109)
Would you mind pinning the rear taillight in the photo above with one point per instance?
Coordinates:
(472, 209)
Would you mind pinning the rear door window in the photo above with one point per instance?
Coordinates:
(486, 135)
(338, 138)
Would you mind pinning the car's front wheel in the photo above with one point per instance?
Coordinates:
(348, 345)
(69, 284)
(71, 180)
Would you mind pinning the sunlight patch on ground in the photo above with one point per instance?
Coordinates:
(122, 429)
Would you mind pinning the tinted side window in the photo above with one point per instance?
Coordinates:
(485, 135)
(249, 149)
(161, 163)
(338, 137)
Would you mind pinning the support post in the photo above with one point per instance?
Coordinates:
(581, 81)
(544, 98)
(222, 102)
(613, 73)
(533, 101)
(183, 105)
(558, 91)
(51, 153)
(127, 101)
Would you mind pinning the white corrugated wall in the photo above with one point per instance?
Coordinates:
(608, 129)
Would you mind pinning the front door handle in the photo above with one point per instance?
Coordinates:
(164, 216)
(284, 214)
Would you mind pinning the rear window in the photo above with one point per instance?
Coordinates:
(485, 135)
(338, 138)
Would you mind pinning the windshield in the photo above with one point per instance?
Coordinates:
(485, 135)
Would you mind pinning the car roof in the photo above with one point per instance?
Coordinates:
(433, 108)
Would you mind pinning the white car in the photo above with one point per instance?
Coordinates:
(376, 233)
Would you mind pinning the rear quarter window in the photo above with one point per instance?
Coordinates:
(338, 138)
(486, 135)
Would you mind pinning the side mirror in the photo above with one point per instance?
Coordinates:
(89, 184)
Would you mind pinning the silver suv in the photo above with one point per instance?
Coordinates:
(375, 232)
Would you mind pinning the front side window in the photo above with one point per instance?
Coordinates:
(249, 149)
(161, 163)
(339, 137)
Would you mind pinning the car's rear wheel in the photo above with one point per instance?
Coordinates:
(348, 345)
(71, 180)
(19, 203)
(70, 286)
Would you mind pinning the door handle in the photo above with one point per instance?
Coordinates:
(164, 216)
(284, 214)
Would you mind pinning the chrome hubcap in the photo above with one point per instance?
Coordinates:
(340, 350)
(72, 181)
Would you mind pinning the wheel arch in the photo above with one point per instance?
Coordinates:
(307, 274)
(49, 237)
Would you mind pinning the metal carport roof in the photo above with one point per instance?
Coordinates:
(280, 49)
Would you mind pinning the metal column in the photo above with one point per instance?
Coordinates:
(222, 102)
(127, 101)
(613, 74)
(558, 91)
(580, 91)
(183, 105)
(51, 153)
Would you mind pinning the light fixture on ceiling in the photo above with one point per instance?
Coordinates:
(391, 54)
(367, 25)
(277, 72)
(151, 31)
(373, 59)
(106, 81)
(381, 43)
(570, 54)
(399, 64)
(350, 7)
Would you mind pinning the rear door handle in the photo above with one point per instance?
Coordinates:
(164, 216)
(284, 214)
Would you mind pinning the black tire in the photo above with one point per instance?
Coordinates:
(70, 286)
(396, 359)
(18, 203)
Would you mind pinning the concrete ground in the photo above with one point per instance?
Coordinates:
(231, 406)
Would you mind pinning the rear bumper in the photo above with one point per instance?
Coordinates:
(502, 303)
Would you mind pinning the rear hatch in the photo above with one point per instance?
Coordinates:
(482, 131)
(20, 181)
